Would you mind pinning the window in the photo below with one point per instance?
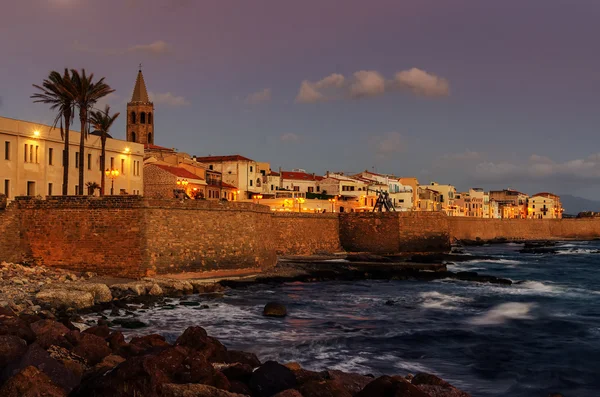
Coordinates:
(311, 189)
(37, 152)
(210, 167)
(142, 118)
(76, 159)
(149, 118)
(30, 188)
(64, 156)
(250, 183)
(133, 118)
(50, 156)
(89, 161)
(31, 153)
(7, 150)
(534, 206)
(272, 188)
(251, 169)
(49, 189)
(133, 137)
(26, 147)
(318, 188)
(296, 188)
(123, 166)
(7, 188)
(112, 163)
(150, 141)
(76, 189)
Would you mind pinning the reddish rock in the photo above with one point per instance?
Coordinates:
(238, 372)
(37, 357)
(93, 348)
(71, 361)
(386, 386)
(149, 342)
(240, 388)
(305, 375)
(274, 309)
(236, 356)
(11, 325)
(328, 388)
(294, 366)
(437, 387)
(198, 370)
(30, 318)
(271, 378)
(116, 340)
(49, 332)
(73, 337)
(194, 390)
(289, 393)
(11, 349)
(99, 330)
(352, 382)
(197, 339)
(108, 363)
(30, 382)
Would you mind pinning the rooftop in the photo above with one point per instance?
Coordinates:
(140, 94)
(178, 172)
(300, 176)
(220, 159)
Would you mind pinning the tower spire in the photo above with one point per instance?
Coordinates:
(140, 94)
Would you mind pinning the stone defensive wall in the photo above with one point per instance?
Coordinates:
(131, 236)
(524, 229)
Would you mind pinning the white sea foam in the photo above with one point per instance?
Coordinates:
(503, 313)
(578, 251)
(437, 300)
(502, 261)
(539, 287)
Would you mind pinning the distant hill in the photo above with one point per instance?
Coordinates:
(574, 205)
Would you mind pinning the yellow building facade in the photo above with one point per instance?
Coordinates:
(31, 157)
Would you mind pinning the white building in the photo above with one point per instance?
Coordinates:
(31, 161)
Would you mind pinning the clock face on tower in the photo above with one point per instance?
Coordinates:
(140, 114)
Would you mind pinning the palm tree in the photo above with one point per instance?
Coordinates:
(87, 94)
(57, 91)
(102, 121)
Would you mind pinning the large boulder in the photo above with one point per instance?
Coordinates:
(171, 286)
(11, 349)
(93, 348)
(136, 288)
(37, 357)
(11, 325)
(351, 381)
(328, 388)
(237, 356)
(436, 387)
(386, 386)
(196, 338)
(65, 299)
(195, 390)
(70, 360)
(271, 378)
(31, 382)
(289, 393)
(99, 330)
(199, 370)
(50, 332)
(100, 292)
(274, 309)
(204, 287)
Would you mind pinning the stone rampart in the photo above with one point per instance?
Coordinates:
(306, 234)
(523, 229)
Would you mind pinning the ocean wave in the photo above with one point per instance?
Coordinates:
(538, 286)
(437, 300)
(578, 251)
(501, 261)
(505, 312)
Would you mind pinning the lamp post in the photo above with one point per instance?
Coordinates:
(112, 174)
(257, 197)
(332, 201)
(182, 184)
(300, 202)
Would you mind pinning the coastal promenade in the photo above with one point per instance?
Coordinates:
(131, 236)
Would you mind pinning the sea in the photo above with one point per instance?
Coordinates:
(537, 336)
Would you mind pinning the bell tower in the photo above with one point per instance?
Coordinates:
(140, 114)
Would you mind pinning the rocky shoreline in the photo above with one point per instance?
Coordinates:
(44, 357)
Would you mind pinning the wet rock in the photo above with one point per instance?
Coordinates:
(107, 363)
(30, 382)
(195, 390)
(274, 309)
(189, 304)
(116, 340)
(436, 387)
(474, 276)
(352, 382)
(289, 393)
(11, 349)
(539, 250)
(199, 370)
(49, 332)
(328, 388)
(237, 372)
(129, 323)
(237, 356)
(10, 325)
(294, 366)
(71, 361)
(37, 357)
(149, 342)
(100, 292)
(93, 348)
(99, 330)
(386, 386)
(271, 378)
(65, 299)
(172, 287)
(197, 339)
(134, 288)
(202, 287)
(305, 375)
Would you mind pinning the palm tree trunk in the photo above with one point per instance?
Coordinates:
(102, 165)
(82, 118)
(65, 187)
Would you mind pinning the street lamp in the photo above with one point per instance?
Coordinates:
(332, 201)
(112, 174)
(300, 202)
(257, 197)
(182, 184)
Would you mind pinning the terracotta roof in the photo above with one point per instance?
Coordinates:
(149, 146)
(139, 92)
(273, 173)
(227, 185)
(178, 172)
(218, 159)
(300, 176)
(546, 194)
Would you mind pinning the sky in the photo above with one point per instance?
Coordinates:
(475, 93)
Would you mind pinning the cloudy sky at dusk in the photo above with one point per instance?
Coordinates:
(468, 92)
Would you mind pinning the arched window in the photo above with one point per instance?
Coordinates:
(142, 118)
(258, 182)
(150, 141)
(133, 118)
(149, 118)
(133, 137)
